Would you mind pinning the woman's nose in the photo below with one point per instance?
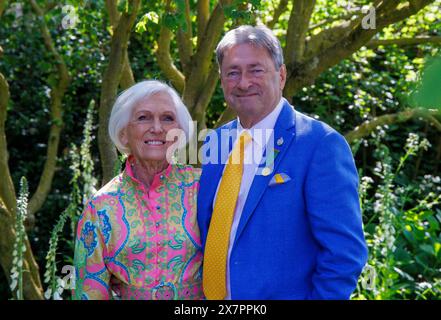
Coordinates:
(156, 126)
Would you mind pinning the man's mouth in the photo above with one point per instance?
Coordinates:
(246, 95)
(154, 142)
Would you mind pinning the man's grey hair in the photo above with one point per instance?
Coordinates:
(260, 36)
(127, 101)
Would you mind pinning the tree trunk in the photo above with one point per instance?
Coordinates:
(111, 80)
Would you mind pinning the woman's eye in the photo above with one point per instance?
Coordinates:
(143, 118)
(169, 118)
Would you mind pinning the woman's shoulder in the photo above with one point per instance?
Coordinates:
(110, 190)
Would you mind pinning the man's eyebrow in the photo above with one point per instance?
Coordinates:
(250, 65)
(257, 64)
(233, 66)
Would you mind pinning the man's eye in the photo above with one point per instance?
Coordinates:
(233, 74)
(257, 71)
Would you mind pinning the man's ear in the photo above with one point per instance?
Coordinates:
(220, 78)
(282, 76)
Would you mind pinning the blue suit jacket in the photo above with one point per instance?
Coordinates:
(301, 239)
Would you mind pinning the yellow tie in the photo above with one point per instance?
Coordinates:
(216, 247)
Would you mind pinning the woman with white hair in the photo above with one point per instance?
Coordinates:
(138, 237)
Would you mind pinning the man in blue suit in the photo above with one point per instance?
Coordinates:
(296, 230)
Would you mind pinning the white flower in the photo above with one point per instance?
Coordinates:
(48, 293)
(13, 284)
(61, 283)
(20, 263)
(57, 296)
(14, 275)
(60, 290)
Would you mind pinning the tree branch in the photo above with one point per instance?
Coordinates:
(3, 4)
(109, 88)
(369, 126)
(226, 116)
(57, 93)
(277, 13)
(49, 6)
(127, 78)
(404, 41)
(351, 37)
(328, 37)
(165, 61)
(7, 191)
(205, 96)
(346, 16)
(203, 9)
(114, 15)
(202, 60)
(298, 25)
(184, 41)
(164, 58)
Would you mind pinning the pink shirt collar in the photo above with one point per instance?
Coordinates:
(158, 179)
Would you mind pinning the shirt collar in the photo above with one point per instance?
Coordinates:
(158, 179)
(258, 131)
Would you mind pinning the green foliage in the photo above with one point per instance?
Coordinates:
(402, 230)
(19, 245)
(82, 185)
(399, 194)
(427, 93)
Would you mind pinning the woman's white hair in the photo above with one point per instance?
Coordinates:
(128, 99)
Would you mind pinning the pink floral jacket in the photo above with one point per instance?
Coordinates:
(134, 243)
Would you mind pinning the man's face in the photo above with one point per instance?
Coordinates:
(251, 83)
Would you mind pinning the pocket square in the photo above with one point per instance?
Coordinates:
(279, 178)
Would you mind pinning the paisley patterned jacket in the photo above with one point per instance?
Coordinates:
(134, 243)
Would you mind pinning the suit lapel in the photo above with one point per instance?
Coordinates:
(284, 132)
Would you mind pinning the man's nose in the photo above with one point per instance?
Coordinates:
(244, 81)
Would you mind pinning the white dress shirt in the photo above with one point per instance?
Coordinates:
(253, 153)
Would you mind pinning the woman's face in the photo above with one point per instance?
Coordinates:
(147, 129)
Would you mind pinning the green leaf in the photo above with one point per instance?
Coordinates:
(427, 248)
(437, 248)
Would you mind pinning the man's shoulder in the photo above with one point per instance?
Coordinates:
(307, 125)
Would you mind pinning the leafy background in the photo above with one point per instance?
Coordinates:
(399, 164)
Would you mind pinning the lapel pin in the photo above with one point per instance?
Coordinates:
(280, 141)
(266, 171)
